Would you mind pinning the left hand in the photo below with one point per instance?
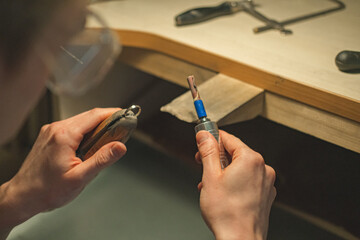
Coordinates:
(52, 175)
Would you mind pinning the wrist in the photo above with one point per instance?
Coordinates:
(238, 231)
(238, 235)
(14, 206)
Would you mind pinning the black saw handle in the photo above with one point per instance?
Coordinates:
(348, 61)
(202, 14)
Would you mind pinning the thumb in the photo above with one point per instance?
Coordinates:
(209, 153)
(104, 157)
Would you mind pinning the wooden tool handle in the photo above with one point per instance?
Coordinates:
(202, 14)
(117, 127)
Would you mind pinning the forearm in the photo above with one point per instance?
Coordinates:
(5, 213)
(13, 210)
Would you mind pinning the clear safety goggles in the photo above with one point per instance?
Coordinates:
(84, 61)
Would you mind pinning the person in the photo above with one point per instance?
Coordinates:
(235, 202)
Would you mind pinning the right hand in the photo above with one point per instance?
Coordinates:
(235, 202)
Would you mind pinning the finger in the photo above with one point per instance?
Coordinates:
(270, 199)
(273, 194)
(270, 175)
(209, 153)
(270, 180)
(104, 157)
(198, 158)
(199, 186)
(87, 121)
(231, 143)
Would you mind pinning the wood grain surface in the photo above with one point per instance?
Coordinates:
(300, 66)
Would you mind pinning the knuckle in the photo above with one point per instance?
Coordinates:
(57, 133)
(44, 128)
(77, 137)
(257, 159)
(273, 193)
(207, 149)
(198, 157)
(100, 160)
(271, 171)
(251, 160)
(52, 127)
(270, 174)
(60, 136)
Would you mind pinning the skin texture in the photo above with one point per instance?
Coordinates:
(235, 202)
(52, 175)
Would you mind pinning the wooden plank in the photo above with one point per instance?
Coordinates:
(340, 105)
(247, 111)
(294, 114)
(318, 123)
(222, 96)
(164, 66)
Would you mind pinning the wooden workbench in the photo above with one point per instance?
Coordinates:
(291, 80)
(303, 88)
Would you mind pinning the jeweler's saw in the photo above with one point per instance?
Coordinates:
(202, 14)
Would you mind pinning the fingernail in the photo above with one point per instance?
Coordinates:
(202, 136)
(116, 152)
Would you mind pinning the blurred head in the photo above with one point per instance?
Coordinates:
(30, 31)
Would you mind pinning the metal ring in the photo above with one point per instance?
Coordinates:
(132, 108)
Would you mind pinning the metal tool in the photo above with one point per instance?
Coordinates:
(348, 61)
(202, 14)
(204, 123)
(269, 22)
(339, 6)
(118, 127)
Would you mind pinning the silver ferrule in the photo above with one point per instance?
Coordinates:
(207, 125)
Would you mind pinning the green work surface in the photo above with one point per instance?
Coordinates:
(146, 195)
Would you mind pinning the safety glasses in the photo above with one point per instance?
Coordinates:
(85, 60)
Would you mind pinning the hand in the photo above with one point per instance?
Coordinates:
(52, 175)
(235, 202)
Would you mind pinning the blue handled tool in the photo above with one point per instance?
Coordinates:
(204, 123)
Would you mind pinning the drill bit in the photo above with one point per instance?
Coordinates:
(198, 103)
(194, 91)
(204, 123)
